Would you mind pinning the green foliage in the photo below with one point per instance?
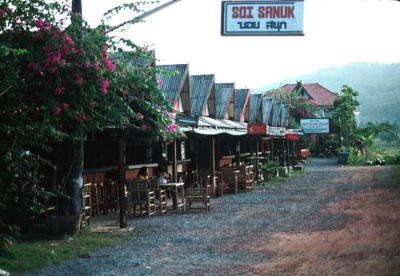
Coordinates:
(55, 84)
(343, 113)
(270, 167)
(35, 254)
(299, 107)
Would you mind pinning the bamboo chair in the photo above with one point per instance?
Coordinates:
(199, 192)
(141, 198)
(161, 195)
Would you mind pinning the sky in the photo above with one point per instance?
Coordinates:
(336, 32)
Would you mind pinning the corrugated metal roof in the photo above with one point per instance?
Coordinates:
(255, 101)
(200, 88)
(276, 110)
(223, 92)
(284, 114)
(172, 84)
(145, 60)
(241, 97)
(266, 109)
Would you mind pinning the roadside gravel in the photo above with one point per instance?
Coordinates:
(218, 243)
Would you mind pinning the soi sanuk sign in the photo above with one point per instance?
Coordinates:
(262, 17)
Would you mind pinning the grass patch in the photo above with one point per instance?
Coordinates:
(279, 179)
(37, 253)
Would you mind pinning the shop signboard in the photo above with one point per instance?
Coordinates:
(318, 126)
(276, 131)
(256, 129)
(252, 18)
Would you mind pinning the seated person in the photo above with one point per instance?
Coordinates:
(143, 173)
(163, 178)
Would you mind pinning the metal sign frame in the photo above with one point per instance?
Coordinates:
(263, 26)
(316, 132)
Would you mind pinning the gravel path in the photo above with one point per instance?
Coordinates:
(234, 238)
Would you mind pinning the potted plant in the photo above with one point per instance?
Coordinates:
(221, 186)
(269, 169)
(282, 172)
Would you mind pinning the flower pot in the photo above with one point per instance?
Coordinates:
(282, 172)
(219, 192)
(65, 225)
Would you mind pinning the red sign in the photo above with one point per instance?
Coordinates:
(256, 129)
(293, 137)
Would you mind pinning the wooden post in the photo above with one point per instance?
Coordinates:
(196, 152)
(174, 178)
(272, 148)
(213, 164)
(256, 168)
(287, 154)
(237, 151)
(293, 153)
(121, 168)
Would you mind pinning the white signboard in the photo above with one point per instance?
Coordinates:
(262, 17)
(315, 125)
(276, 131)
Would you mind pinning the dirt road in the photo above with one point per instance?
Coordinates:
(332, 221)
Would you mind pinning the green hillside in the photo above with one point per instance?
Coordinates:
(378, 86)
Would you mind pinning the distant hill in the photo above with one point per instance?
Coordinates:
(378, 86)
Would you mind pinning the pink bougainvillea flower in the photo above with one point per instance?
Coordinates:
(87, 64)
(68, 39)
(104, 51)
(81, 118)
(59, 90)
(110, 66)
(172, 127)
(57, 110)
(65, 105)
(96, 67)
(161, 82)
(79, 79)
(140, 116)
(104, 85)
(93, 104)
(125, 92)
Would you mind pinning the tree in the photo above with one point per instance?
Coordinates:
(364, 136)
(55, 85)
(343, 114)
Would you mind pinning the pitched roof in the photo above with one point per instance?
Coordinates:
(276, 111)
(266, 109)
(147, 59)
(223, 93)
(255, 101)
(200, 88)
(241, 99)
(320, 94)
(284, 114)
(172, 84)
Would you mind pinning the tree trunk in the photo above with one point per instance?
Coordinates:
(74, 181)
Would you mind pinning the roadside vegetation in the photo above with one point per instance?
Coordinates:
(32, 253)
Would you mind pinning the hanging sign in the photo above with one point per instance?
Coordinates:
(276, 131)
(315, 125)
(256, 129)
(262, 17)
(293, 137)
